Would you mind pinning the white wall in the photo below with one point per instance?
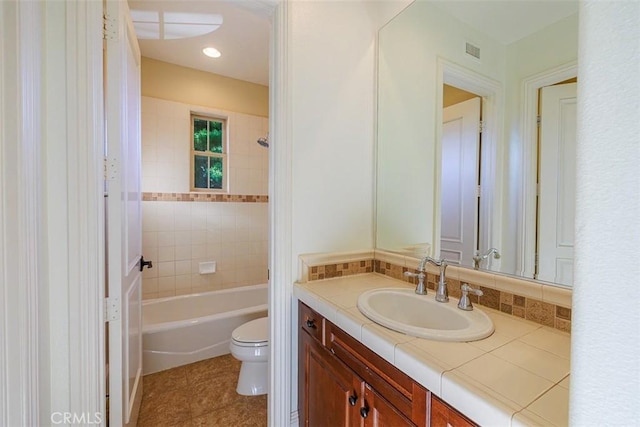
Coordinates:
(333, 54)
(605, 350)
(179, 235)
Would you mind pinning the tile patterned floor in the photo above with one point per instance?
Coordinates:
(202, 394)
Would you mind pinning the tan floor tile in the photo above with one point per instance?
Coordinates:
(211, 368)
(212, 394)
(165, 409)
(164, 381)
(246, 411)
(200, 394)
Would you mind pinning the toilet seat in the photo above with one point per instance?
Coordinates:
(254, 333)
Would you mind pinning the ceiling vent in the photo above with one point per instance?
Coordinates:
(472, 50)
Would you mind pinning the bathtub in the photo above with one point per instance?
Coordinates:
(188, 328)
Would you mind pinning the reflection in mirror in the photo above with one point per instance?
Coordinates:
(460, 176)
(417, 187)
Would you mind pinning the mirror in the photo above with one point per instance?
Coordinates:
(503, 52)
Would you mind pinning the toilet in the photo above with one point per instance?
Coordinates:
(250, 345)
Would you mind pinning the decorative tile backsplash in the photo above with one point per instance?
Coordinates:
(525, 307)
(204, 197)
(341, 269)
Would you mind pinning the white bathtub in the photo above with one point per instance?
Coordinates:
(188, 328)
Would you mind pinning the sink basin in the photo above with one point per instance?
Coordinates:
(422, 316)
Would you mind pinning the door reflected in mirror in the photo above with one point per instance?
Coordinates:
(441, 196)
(460, 176)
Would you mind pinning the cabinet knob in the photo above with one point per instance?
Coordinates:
(364, 411)
(311, 323)
(353, 399)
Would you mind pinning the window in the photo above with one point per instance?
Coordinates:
(208, 153)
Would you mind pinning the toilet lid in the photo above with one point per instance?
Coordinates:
(254, 331)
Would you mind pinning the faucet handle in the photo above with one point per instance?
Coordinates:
(421, 289)
(465, 302)
(465, 288)
(410, 274)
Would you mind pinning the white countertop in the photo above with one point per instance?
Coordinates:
(517, 376)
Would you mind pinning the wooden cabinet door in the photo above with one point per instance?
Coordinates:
(443, 415)
(378, 412)
(330, 395)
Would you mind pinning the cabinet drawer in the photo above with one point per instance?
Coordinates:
(443, 415)
(393, 385)
(310, 322)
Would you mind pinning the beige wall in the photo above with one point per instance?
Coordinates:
(167, 81)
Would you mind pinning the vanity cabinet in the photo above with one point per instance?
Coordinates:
(343, 383)
(443, 415)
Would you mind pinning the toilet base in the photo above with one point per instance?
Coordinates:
(253, 379)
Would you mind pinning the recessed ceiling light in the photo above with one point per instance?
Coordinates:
(211, 52)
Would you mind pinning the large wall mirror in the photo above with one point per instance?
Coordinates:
(464, 164)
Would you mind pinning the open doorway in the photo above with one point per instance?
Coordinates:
(204, 223)
(466, 173)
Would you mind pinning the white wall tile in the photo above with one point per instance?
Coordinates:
(183, 268)
(166, 269)
(182, 238)
(166, 253)
(180, 235)
(149, 239)
(166, 238)
(167, 285)
(183, 253)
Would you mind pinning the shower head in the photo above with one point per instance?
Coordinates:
(264, 141)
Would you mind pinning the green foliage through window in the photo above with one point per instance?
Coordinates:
(209, 155)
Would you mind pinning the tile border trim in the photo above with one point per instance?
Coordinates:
(204, 197)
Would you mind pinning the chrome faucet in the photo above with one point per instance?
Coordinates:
(478, 257)
(465, 301)
(442, 295)
(421, 289)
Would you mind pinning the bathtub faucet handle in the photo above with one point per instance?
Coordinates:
(144, 263)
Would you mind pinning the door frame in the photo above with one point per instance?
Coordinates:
(21, 219)
(84, 193)
(490, 210)
(525, 261)
(282, 381)
(66, 328)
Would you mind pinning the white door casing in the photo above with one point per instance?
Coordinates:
(124, 219)
(556, 202)
(459, 181)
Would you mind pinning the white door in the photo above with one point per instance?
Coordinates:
(459, 184)
(124, 220)
(556, 200)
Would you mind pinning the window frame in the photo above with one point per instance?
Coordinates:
(209, 154)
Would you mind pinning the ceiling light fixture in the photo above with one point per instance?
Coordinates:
(211, 52)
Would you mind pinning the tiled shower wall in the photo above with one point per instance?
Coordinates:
(180, 231)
